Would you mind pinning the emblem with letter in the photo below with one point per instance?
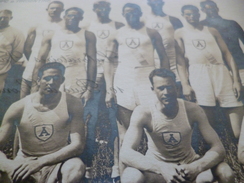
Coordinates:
(171, 138)
(132, 42)
(199, 44)
(66, 45)
(157, 26)
(103, 34)
(44, 132)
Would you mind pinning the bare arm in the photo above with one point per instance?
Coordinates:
(182, 66)
(229, 60)
(158, 45)
(29, 42)
(41, 59)
(214, 155)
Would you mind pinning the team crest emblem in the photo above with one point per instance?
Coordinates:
(199, 44)
(66, 45)
(157, 26)
(44, 132)
(171, 138)
(132, 42)
(45, 32)
(103, 34)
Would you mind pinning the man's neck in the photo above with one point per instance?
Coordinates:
(54, 19)
(3, 27)
(103, 20)
(138, 25)
(160, 13)
(170, 110)
(72, 29)
(47, 101)
(213, 17)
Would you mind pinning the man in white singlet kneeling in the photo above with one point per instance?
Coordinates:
(51, 133)
(209, 77)
(168, 124)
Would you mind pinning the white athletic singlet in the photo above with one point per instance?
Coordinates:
(166, 30)
(70, 50)
(42, 29)
(170, 140)
(43, 133)
(103, 33)
(11, 44)
(201, 47)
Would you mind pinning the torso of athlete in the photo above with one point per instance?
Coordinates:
(230, 32)
(70, 50)
(103, 32)
(11, 44)
(46, 132)
(201, 47)
(166, 30)
(170, 139)
(41, 30)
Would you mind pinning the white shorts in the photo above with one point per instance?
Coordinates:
(133, 87)
(212, 82)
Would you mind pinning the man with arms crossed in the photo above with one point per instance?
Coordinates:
(51, 133)
(34, 39)
(208, 75)
(70, 46)
(136, 45)
(168, 124)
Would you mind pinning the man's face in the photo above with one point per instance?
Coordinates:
(191, 16)
(4, 19)
(102, 10)
(55, 9)
(156, 5)
(165, 90)
(210, 10)
(51, 81)
(132, 15)
(72, 18)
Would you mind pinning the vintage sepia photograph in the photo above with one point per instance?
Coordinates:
(121, 91)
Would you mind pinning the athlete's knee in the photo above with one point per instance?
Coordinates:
(224, 173)
(73, 170)
(132, 175)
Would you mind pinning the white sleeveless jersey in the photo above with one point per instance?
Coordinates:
(166, 30)
(43, 133)
(201, 47)
(70, 50)
(42, 29)
(103, 33)
(170, 139)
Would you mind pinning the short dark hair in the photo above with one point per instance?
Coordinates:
(163, 73)
(208, 2)
(51, 65)
(6, 11)
(56, 2)
(79, 10)
(189, 7)
(132, 5)
(101, 3)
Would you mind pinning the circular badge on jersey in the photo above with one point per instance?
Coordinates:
(199, 44)
(157, 26)
(44, 132)
(132, 42)
(103, 34)
(171, 138)
(66, 45)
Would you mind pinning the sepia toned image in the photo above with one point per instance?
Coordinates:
(130, 91)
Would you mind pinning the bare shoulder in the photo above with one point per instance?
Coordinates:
(212, 30)
(152, 32)
(141, 115)
(179, 32)
(118, 25)
(193, 110)
(32, 30)
(90, 35)
(73, 103)
(17, 108)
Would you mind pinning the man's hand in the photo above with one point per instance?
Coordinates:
(188, 171)
(86, 96)
(237, 90)
(172, 174)
(110, 96)
(189, 93)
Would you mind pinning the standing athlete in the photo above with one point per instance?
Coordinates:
(34, 39)
(168, 124)
(71, 46)
(230, 31)
(166, 26)
(208, 75)
(51, 133)
(104, 28)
